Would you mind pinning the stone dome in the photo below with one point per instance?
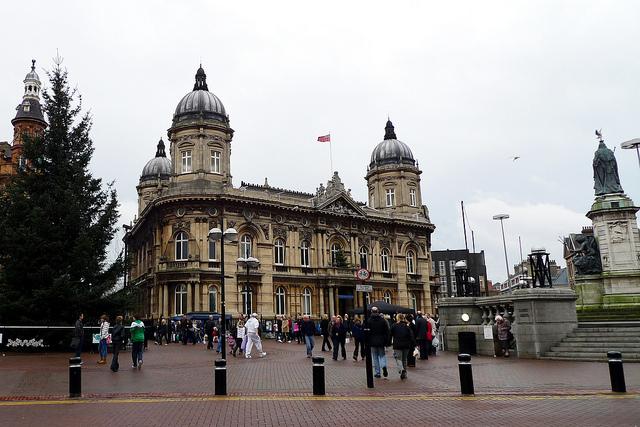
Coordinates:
(200, 102)
(391, 151)
(159, 166)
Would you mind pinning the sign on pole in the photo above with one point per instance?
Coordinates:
(363, 274)
(364, 288)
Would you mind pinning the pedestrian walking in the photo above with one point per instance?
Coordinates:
(253, 338)
(286, 328)
(357, 332)
(504, 330)
(163, 332)
(338, 337)
(117, 338)
(296, 330)
(421, 335)
(379, 338)
(238, 333)
(208, 331)
(324, 330)
(104, 335)
(78, 335)
(403, 343)
(308, 331)
(137, 341)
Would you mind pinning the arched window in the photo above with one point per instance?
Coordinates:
(181, 299)
(247, 300)
(387, 297)
(245, 246)
(336, 252)
(364, 257)
(280, 300)
(306, 301)
(213, 298)
(413, 301)
(278, 252)
(384, 260)
(182, 246)
(411, 262)
(304, 254)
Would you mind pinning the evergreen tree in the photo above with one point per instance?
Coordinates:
(56, 222)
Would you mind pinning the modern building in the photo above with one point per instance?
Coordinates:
(28, 122)
(443, 263)
(308, 244)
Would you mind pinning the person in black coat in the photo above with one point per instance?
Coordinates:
(411, 359)
(403, 343)
(208, 330)
(379, 338)
(421, 336)
(338, 336)
(117, 338)
(357, 331)
(324, 330)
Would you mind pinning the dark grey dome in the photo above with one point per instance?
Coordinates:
(159, 166)
(391, 151)
(200, 102)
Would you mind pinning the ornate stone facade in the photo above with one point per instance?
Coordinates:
(308, 245)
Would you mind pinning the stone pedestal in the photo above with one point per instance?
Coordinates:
(543, 316)
(540, 317)
(616, 230)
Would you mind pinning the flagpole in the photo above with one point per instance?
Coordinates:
(330, 155)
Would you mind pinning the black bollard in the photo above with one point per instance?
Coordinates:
(75, 377)
(466, 374)
(318, 375)
(616, 372)
(220, 377)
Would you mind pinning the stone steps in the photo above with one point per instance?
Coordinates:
(592, 341)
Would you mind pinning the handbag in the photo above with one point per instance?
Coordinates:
(510, 336)
(435, 342)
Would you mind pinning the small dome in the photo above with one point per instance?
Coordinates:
(391, 151)
(159, 166)
(200, 102)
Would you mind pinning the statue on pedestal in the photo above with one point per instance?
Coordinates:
(605, 170)
(586, 257)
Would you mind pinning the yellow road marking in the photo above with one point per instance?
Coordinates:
(318, 398)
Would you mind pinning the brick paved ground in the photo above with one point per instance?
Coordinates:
(176, 384)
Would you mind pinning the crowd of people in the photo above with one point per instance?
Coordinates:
(411, 338)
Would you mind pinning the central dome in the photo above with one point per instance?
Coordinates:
(200, 103)
(158, 167)
(391, 151)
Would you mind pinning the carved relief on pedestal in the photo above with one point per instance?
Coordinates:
(618, 231)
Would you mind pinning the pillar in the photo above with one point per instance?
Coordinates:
(331, 301)
(165, 300)
(321, 296)
(189, 297)
(198, 292)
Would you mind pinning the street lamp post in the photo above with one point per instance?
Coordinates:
(247, 263)
(629, 145)
(229, 235)
(502, 217)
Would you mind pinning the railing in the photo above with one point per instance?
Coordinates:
(46, 338)
(281, 268)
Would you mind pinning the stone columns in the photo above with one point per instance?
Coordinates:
(331, 301)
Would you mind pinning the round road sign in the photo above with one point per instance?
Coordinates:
(363, 274)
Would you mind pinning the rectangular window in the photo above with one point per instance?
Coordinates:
(452, 265)
(391, 197)
(412, 197)
(443, 269)
(215, 161)
(212, 250)
(186, 161)
(304, 255)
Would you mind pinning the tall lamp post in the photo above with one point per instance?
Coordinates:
(502, 217)
(247, 263)
(229, 235)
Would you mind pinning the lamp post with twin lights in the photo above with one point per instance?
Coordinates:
(229, 235)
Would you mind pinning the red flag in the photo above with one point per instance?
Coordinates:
(324, 138)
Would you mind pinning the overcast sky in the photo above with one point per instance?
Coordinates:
(468, 85)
